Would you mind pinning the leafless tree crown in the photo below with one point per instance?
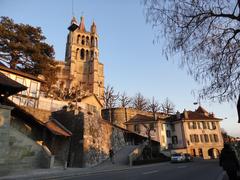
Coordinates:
(110, 97)
(124, 100)
(140, 102)
(167, 106)
(207, 34)
(154, 107)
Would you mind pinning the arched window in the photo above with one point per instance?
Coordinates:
(92, 41)
(76, 55)
(82, 54)
(92, 54)
(96, 41)
(87, 55)
(87, 41)
(83, 40)
(78, 39)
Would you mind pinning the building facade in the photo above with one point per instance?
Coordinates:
(195, 132)
(28, 97)
(81, 68)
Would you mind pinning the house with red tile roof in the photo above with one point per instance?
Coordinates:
(195, 132)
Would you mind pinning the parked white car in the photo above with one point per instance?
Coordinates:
(178, 157)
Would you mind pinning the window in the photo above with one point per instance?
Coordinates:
(33, 89)
(87, 41)
(172, 127)
(202, 137)
(194, 125)
(204, 125)
(213, 125)
(215, 137)
(92, 41)
(190, 125)
(208, 125)
(192, 138)
(83, 40)
(82, 54)
(211, 138)
(206, 138)
(196, 138)
(136, 128)
(174, 140)
(87, 55)
(168, 133)
(91, 54)
(96, 42)
(200, 125)
(77, 51)
(78, 39)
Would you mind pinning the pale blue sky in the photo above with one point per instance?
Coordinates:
(132, 62)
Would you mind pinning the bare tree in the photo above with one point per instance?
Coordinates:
(207, 34)
(140, 102)
(167, 106)
(124, 100)
(154, 107)
(110, 97)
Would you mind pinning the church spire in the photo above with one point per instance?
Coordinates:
(93, 28)
(82, 25)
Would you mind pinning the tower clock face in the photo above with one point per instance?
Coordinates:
(1, 120)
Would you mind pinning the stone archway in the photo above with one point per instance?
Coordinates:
(213, 153)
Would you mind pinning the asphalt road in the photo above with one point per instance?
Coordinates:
(197, 170)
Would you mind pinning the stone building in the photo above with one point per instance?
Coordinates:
(81, 68)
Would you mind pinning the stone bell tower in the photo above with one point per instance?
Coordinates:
(82, 66)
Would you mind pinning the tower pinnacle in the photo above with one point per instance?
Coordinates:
(93, 28)
(82, 25)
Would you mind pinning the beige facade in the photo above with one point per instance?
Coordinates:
(198, 133)
(82, 69)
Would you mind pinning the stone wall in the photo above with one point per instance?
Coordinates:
(92, 137)
(99, 137)
(119, 116)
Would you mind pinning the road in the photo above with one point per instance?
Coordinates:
(197, 170)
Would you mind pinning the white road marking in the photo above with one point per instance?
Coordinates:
(180, 167)
(150, 172)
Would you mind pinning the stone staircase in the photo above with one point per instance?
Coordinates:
(23, 150)
(120, 157)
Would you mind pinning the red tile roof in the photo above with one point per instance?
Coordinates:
(57, 129)
(139, 118)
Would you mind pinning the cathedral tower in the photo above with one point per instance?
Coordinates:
(82, 68)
